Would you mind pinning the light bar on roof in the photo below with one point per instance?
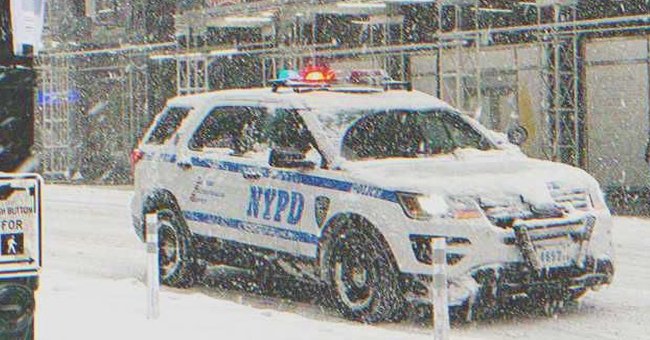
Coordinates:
(317, 74)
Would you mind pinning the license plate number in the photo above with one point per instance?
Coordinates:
(554, 256)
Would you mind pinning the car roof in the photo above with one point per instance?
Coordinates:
(323, 101)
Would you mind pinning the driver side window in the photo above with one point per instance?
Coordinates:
(291, 140)
(236, 129)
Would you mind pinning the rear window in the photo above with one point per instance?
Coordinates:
(168, 124)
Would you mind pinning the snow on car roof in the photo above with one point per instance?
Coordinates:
(323, 101)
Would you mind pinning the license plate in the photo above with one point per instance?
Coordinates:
(555, 256)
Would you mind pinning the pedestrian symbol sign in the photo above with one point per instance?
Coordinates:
(20, 224)
(12, 244)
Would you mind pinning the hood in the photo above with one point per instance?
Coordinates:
(484, 174)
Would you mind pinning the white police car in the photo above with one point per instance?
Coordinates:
(346, 186)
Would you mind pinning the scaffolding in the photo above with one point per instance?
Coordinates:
(85, 96)
(53, 124)
(559, 46)
(562, 79)
(192, 74)
(466, 76)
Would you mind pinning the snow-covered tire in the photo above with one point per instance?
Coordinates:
(178, 268)
(17, 322)
(577, 295)
(267, 276)
(28, 334)
(363, 279)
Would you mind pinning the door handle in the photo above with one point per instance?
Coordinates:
(184, 165)
(251, 175)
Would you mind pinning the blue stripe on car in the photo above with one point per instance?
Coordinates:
(294, 177)
(253, 228)
(300, 178)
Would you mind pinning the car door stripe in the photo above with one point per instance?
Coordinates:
(299, 178)
(253, 228)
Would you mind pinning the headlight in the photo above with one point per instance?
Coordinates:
(421, 207)
(412, 207)
(598, 200)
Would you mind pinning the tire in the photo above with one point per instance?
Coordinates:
(577, 295)
(17, 322)
(177, 266)
(267, 277)
(363, 280)
(28, 334)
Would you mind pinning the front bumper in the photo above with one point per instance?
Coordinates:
(497, 284)
(504, 262)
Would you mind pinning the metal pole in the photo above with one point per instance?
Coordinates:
(153, 283)
(439, 290)
(460, 102)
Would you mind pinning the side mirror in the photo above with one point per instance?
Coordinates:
(283, 158)
(517, 135)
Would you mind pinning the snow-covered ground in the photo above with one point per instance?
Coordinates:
(92, 288)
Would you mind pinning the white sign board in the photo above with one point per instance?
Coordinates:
(20, 225)
(27, 24)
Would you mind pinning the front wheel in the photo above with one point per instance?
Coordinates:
(363, 280)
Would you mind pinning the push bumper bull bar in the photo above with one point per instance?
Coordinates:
(504, 281)
(499, 284)
(517, 279)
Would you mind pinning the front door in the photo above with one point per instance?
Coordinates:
(295, 188)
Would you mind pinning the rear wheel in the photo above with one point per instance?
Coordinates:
(363, 281)
(177, 266)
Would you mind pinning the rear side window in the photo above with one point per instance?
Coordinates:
(168, 124)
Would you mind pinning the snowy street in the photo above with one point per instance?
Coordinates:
(92, 288)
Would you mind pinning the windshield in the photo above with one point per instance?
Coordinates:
(409, 134)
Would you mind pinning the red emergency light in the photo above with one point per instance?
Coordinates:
(317, 74)
(313, 78)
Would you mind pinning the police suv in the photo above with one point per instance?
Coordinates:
(346, 186)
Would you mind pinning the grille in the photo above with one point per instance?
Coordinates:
(504, 213)
(571, 199)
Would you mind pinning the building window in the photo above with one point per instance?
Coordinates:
(103, 12)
